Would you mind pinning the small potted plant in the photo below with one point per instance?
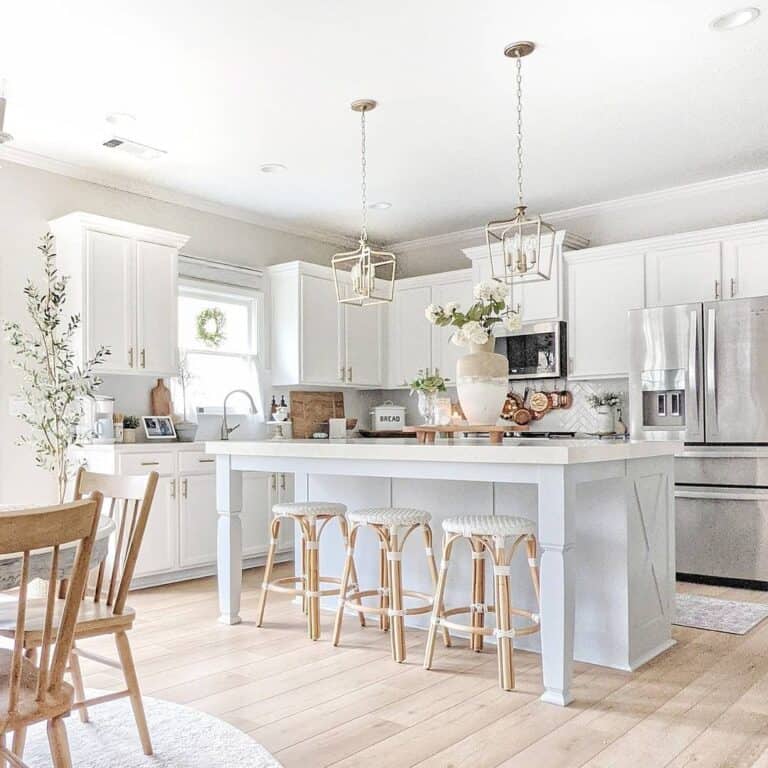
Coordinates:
(130, 425)
(604, 403)
(426, 386)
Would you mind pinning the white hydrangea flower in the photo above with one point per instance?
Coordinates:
(482, 291)
(498, 290)
(474, 332)
(432, 312)
(451, 307)
(458, 338)
(512, 321)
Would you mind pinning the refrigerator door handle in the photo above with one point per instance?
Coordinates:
(693, 382)
(718, 495)
(711, 366)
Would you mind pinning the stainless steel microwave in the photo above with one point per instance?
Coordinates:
(536, 351)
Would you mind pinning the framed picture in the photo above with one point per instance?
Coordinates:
(158, 428)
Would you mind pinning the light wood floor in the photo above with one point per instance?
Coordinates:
(703, 703)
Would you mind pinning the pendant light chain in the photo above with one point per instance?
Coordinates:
(519, 130)
(363, 185)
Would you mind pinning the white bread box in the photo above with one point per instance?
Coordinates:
(387, 417)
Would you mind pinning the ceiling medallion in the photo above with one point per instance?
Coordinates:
(521, 249)
(364, 276)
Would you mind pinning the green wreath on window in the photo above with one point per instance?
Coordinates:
(210, 327)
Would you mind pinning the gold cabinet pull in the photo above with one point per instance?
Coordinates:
(717, 290)
(341, 373)
(130, 357)
(733, 287)
(173, 489)
(282, 481)
(184, 487)
(143, 358)
(206, 461)
(274, 482)
(149, 463)
(349, 374)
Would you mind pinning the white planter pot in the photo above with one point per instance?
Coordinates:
(605, 423)
(482, 381)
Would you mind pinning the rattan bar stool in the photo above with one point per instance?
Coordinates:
(312, 518)
(393, 526)
(499, 536)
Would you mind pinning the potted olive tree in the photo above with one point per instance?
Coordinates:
(54, 384)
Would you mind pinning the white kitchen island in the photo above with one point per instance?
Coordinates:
(605, 523)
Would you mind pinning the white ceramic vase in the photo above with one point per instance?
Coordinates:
(482, 380)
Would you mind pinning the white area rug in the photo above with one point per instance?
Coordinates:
(182, 738)
(731, 616)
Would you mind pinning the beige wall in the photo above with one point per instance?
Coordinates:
(29, 198)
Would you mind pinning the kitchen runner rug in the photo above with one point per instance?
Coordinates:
(731, 616)
(181, 737)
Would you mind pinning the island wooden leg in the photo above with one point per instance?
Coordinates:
(556, 503)
(229, 552)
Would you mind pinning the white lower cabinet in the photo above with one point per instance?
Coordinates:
(197, 520)
(158, 552)
(181, 536)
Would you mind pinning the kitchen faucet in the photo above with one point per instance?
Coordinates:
(226, 430)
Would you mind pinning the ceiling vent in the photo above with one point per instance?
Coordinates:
(134, 148)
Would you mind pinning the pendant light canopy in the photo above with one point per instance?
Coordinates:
(364, 276)
(521, 249)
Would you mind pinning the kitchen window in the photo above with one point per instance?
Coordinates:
(219, 327)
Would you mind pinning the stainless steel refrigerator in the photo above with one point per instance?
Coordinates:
(699, 373)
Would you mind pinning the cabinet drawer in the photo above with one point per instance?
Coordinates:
(722, 470)
(141, 463)
(196, 461)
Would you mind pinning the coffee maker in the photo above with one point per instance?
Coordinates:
(98, 416)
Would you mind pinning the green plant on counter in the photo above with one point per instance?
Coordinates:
(131, 422)
(611, 399)
(427, 382)
(54, 384)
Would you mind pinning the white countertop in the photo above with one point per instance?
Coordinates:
(512, 451)
(148, 446)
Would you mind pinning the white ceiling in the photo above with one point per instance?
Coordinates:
(621, 98)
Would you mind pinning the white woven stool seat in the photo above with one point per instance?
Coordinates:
(389, 516)
(489, 525)
(309, 509)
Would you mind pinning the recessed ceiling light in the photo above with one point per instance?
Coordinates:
(382, 205)
(734, 19)
(273, 168)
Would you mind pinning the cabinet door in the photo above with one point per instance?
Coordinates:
(260, 491)
(445, 354)
(320, 319)
(539, 300)
(110, 314)
(683, 275)
(285, 489)
(363, 335)
(198, 520)
(410, 337)
(157, 310)
(158, 547)
(745, 268)
(600, 293)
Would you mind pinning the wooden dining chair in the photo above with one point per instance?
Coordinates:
(30, 691)
(104, 610)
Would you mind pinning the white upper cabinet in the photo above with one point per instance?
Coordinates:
(414, 343)
(109, 309)
(156, 334)
(445, 354)
(321, 361)
(363, 331)
(410, 333)
(124, 285)
(684, 274)
(745, 267)
(601, 290)
(316, 341)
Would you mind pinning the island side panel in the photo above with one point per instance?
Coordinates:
(229, 503)
(651, 557)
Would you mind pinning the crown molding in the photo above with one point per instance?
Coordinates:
(144, 189)
(723, 184)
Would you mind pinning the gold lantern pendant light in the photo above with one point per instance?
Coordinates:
(521, 249)
(364, 276)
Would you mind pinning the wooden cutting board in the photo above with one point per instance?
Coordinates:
(310, 411)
